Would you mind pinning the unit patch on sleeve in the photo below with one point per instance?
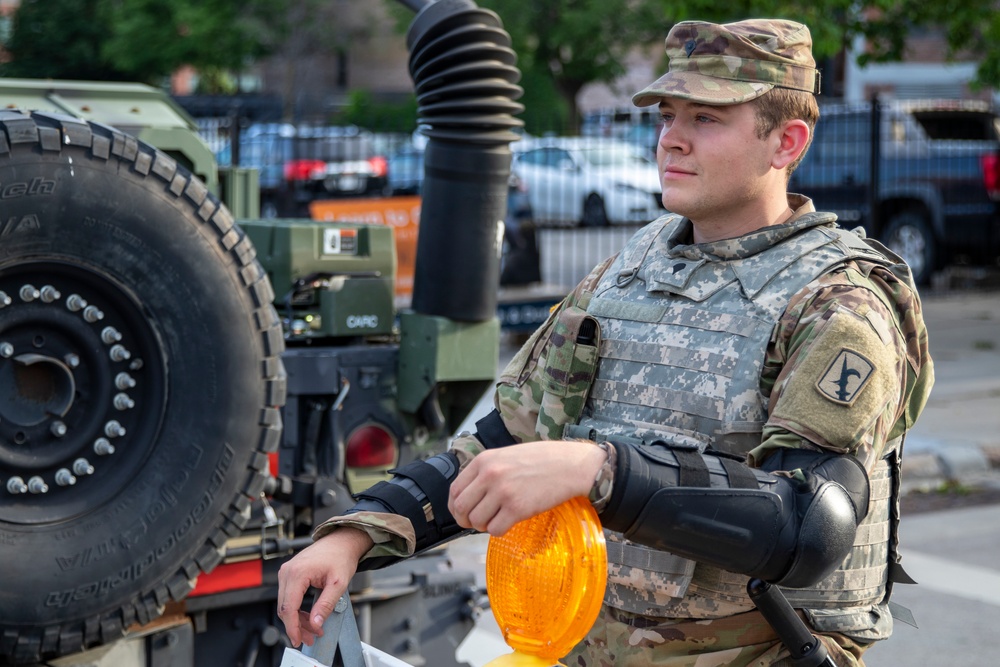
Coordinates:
(838, 383)
(846, 377)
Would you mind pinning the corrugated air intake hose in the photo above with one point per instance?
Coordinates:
(465, 76)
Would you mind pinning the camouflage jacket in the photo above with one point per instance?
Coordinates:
(867, 289)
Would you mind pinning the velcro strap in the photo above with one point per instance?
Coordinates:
(398, 501)
(492, 432)
(434, 485)
(645, 558)
(693, 471)
(740, 476)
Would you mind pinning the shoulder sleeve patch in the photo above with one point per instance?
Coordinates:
(846, 377)
(839, 383)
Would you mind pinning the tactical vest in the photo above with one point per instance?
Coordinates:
(683, 342)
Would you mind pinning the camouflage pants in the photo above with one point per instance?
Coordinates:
(620, 639)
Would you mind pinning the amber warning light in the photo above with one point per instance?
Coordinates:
(545, 579)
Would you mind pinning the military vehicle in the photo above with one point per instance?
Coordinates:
(187, 391)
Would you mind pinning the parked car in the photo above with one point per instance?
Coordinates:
(406, 172)
(937, 183)
(588, 181)
(299, 164)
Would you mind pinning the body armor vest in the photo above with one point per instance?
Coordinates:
(684, 337)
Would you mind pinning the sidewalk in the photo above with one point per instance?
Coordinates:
(958, 436)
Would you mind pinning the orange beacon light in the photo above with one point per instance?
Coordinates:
(545, 579)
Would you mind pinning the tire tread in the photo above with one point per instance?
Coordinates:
(51, 132)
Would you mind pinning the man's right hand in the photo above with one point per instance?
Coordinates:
(328, 564)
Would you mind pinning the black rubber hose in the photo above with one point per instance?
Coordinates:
(465, 76)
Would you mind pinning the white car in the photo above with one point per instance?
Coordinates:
(588, 181)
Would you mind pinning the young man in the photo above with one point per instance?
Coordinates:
(731, 391)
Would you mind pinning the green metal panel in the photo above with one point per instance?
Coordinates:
(145, 112)
(435, 350)
(240, 188)
(356, 265)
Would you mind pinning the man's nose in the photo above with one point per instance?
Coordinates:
(674, 137)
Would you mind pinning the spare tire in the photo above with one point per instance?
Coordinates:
(140, 381)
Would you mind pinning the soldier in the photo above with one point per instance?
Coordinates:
(731, 391)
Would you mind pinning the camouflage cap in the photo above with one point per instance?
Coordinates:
(734, 62)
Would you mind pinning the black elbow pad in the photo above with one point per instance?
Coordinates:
(740, 519)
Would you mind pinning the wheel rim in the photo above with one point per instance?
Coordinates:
(82, 390)
(909, 243)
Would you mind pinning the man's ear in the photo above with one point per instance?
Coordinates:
(793, 137)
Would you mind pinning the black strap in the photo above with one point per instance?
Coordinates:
(693, 470)
(492, 432)
(740, 476)
(398, 501)
(433, 484)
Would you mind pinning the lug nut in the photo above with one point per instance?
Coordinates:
(93, 314)
(6, 350)
(124, 381)
(110, 335)
(82, 467)
(75, 302)
(113, 429)
(72, 360)
(5, 300)
(28, 293)
(49, 294)
(103, 447)
(119, 353)
(16, 485)
(58, 429)
(123, 402)
(64, 477)
(37, 485)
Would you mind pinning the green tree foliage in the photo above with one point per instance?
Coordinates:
(141, 40)
(562, 45)
(58, 40)
(362, 110)
(970, 27)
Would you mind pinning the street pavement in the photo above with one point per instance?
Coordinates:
(951, 553)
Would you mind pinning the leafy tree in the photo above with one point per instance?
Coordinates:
(53, 39)
(971, 27)
(141, 40)
(563, 45)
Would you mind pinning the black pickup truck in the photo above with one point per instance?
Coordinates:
(931, 188)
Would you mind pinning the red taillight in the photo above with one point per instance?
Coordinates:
(303, 170)
(379, 165)
(991, 174)
(370, 446)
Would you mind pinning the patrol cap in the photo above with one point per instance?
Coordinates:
(732, 63)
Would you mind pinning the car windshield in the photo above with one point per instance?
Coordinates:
(612, 156)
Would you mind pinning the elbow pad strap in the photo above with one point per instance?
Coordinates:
(419, 492)
(492, 432)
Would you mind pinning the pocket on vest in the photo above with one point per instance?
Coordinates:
(571, 356)
(863, 624)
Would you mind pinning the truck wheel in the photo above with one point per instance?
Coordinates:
(140, 376)
(909, 235)
(594, 213)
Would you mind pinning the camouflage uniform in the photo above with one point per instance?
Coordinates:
(821, 345)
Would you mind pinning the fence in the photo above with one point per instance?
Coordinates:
(922, 176)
